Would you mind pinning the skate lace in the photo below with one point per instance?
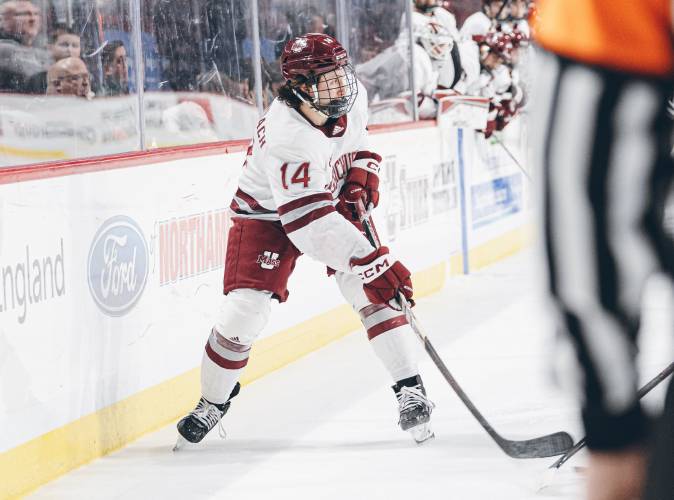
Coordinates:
(412, 397)
(209, 415)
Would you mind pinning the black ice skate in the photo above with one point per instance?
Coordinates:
(415, 408)
(199, 422)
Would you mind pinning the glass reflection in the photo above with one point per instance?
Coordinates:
(66, 77)
(379, 44)
(68, 68)
(199, 81)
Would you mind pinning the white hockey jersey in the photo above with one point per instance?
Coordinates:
(491, 84)
(469, 54)
(477, 23)
(293, 174)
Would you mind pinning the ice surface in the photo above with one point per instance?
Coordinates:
(325, 426)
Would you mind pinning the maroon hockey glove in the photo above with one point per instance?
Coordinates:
(362, 179)
(383, 277)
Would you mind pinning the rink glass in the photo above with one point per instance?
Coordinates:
(167, 73)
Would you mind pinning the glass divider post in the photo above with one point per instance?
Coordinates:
(410, 39)
(139, 65)
(257, 57)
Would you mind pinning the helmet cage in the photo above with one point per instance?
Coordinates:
(328, 100)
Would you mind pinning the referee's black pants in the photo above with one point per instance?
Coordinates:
(604, 144)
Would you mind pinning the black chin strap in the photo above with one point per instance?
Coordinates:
(498, 14)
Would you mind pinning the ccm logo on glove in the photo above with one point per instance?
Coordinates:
(383, 278)
(374, 269)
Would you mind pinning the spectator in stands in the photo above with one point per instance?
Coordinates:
(69, 76)
(64, 43)
(331, 21)
(115, 69)
(317, 23)
(279, 31)
(20, 22)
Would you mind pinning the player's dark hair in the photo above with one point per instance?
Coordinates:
(287, 96)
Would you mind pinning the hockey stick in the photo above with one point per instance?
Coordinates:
(640, 394)
(545, 446)
(512, 156)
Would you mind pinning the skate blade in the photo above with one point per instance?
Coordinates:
(181, 443)
(421, 433)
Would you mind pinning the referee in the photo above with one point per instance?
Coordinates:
(604, 146)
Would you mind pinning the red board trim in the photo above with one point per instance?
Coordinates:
(46, 170)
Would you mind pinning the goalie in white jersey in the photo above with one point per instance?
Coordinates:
(307, 166)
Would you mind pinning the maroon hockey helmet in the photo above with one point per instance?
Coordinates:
(307, 58)
(312, 54)
(498, 43)
(519, 38)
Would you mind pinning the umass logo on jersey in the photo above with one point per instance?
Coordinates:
(268, 260)
(118, 265)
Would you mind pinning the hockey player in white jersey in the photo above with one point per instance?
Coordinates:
(438, 62)
(455, 61)
(387, 75)
(485, 20)
(518, 12)
(308, 165)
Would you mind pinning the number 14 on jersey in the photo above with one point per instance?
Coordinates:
(301, 175)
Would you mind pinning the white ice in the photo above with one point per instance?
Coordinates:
(325, 428)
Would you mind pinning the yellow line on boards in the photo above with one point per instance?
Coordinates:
(492, 251)
(43, 459)
(37, 154)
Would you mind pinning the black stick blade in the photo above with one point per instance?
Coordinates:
(550, 445)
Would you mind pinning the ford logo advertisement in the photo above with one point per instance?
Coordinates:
(118, 265)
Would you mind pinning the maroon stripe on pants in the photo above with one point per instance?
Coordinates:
(223, 362)
(385, 326)
(371, 309)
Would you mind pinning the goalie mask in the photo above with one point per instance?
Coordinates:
(436, 40)
(318, 69)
